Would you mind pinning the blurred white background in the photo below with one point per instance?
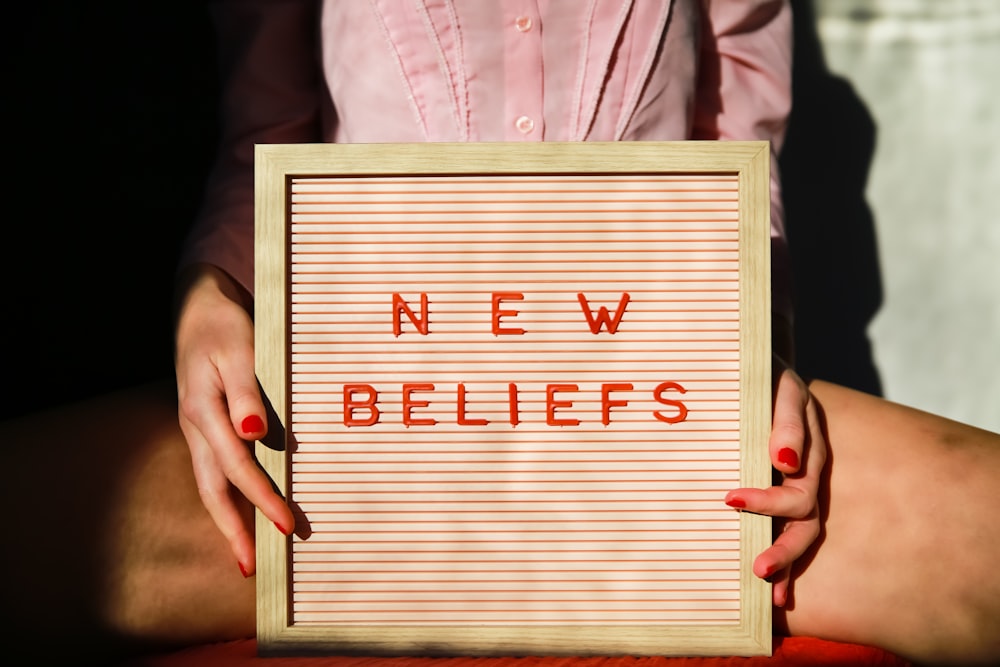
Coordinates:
(915, 85)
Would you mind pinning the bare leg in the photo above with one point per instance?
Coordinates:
(110, 550)
(908, 558)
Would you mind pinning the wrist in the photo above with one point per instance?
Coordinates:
(203, 293)
(207, 279)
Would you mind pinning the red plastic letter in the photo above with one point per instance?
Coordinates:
(409, 403)
(551, 404)
(399, 306)
(462, 419)
(603, 318)
(682, 411)
(512, 404)
(497, 313)
(351, 405)
(607, 403)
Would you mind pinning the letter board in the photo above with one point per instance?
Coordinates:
(512, 384)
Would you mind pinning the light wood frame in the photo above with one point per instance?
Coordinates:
(277, 165)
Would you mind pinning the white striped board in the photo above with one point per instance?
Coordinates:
(516, 382)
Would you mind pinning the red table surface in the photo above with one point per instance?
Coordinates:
(788, 652)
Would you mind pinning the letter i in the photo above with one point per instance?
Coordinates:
(512, 404)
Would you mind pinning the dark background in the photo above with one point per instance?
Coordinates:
(111, 127)
(111, 132)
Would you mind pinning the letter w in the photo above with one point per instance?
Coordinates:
(603, 318)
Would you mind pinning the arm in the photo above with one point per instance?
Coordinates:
(744, 92)
(271, 94)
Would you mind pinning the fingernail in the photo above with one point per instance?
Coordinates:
(281, 528)
(252, 424)
(789, 457)
(243, 570)
(737, 503)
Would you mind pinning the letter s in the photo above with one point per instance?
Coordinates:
(682, 411)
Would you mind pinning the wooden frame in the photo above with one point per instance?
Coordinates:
(516, 608)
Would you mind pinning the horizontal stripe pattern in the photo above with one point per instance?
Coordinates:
(489, 459)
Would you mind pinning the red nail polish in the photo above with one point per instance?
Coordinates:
(243, 570)
(281, 528)
(788, 456)
(737, 503)
(252, 424)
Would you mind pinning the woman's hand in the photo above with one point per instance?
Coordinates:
(220, 408)
(797, 449)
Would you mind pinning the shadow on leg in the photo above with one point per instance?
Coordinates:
(110, 551)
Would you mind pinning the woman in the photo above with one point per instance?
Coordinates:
(887, 532)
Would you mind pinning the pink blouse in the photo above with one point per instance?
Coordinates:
(301, 71)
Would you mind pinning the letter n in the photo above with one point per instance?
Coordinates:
(399, 307)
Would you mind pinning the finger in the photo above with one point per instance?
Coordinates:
(234, 459)
(777, 501)
(239, 385)
(230, 454)
(796, 497)
(795, 539)
(780, 583)
(802, 487)
(248, 415)
(788, 429)
(214, 490)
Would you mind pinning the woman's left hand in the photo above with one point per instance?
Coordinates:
(798, 450)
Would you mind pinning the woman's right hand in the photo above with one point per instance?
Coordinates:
(220, 408)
